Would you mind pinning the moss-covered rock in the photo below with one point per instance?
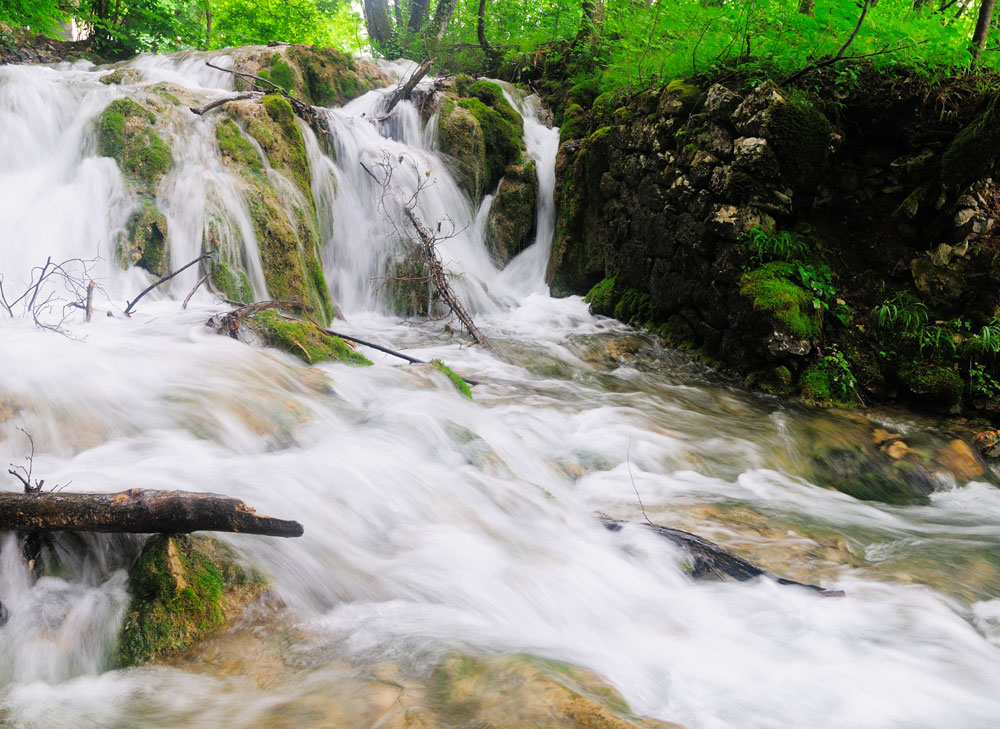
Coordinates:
(146, 243)
(232, 282)
(182, 589)
(602, 297)
(936, 386)
(512, 216)
(501, 139)
(974, 151)
(461, 385)
(788, 306)
(492, 95)
(285, 228)
(800, 135)
(235, 147)
(869, 474)
(773, 381)
(461, 138)
(305, 340)
(125, 132)
(575, 123)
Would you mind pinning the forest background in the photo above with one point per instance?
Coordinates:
(622, 45)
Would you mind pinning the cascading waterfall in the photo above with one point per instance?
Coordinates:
(434, 524)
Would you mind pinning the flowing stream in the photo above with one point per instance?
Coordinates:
(434, 524)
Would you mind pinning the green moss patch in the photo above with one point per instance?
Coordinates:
(147, 239)
(800, 135)
(940, 387)
(788, 306)
(461, 385)
(182, 589)
(492, 95)
(125, 133)
(232, 282)
(235, 147)
(330, 77)
(461, 139)
(602, 297)
(501, 139)
(306, 341)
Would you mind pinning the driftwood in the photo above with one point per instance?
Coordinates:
(131, 305)
(404, 90)
(710, 560)
(200, 110)
(137, 511)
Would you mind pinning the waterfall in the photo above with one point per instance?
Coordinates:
(433, 524)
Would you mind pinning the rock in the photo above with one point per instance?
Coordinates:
(146, 244)
(940, 388)
(941, 285)
(988, 443)
(304, 340)
(780, 344)
(959, 459)
(126, 132)
(752, 115)
(895, 449)
(720, 102)
(512, 217)
(182, 588)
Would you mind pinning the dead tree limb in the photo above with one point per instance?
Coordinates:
(440, 281)
(405, 89)
(131, 304)
(197, 286)
(200, 110)
(137, 511)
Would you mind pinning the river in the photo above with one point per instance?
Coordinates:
(435, 524)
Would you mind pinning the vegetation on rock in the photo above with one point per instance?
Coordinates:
(304, 340)
(125, 132)
(182, 588)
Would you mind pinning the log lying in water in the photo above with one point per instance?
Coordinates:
(137, 511)
(711, 560)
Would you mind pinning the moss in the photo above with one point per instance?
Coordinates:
(574, 123)
(940, 387)
(280, 73)
(114, 78)
(602, 297)
(512, 215)
(501, 139)
(870, 475)
(408, 288)
(800, 135)
(773, 381)
(973, 152)
(461, 385)
(633, 308)
(687, 94)
(603, 107)
(286, 238)
(815, 385)
(909, 207)
(147, 240)
(329, 77)
(181, 589)
(492, 95)
(125, 133)
(461, 139)
(286, 150)
(585, 92)
(788, 305)
(235, 146)
(232, 283)
(462, 84)
(304, 339)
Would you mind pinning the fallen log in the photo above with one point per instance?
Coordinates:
(709, 560)
(405, 89)
(137, 511)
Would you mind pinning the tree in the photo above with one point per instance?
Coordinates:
(982, 29)
(378, 23)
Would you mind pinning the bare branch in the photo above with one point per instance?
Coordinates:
(131, 305)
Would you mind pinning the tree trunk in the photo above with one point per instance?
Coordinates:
(590, 19)
(418, 14)
(137, 511)
(442, 16)
(982, 29)
(378, 22)
(208, 23)
(481, 28)
(808, 7)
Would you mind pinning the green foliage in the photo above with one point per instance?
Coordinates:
(830, 381)
(765, 244)
(602, 297)
(461, 385)
(902, 311)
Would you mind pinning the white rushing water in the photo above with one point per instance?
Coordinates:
(433, 523)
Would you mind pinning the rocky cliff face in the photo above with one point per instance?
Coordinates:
(843, 250)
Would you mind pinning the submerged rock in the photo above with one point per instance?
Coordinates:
(182, 588)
